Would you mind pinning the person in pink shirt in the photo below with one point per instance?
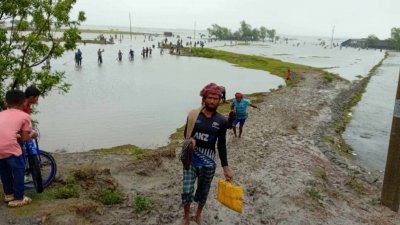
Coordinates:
(14, 124)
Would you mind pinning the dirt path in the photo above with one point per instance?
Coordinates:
(290, 172)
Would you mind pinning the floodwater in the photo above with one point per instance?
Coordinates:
(137, 102)
(347, 62)
(369, 130)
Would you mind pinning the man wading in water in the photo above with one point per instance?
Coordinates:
(210, 126)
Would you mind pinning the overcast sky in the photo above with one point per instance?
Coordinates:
(351, 18)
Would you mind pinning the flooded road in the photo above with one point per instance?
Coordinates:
(137, 102)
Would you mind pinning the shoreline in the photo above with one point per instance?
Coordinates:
(290, 172)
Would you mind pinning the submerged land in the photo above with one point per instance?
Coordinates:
(292, 162)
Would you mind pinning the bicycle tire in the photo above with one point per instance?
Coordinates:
(34, 166)
(48, 174)
(48, 168)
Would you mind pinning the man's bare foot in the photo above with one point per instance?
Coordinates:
(185, 221)
(197, 219)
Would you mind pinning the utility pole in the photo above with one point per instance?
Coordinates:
(333, 31)
(130, 25)
(391, 182)
(194, 32)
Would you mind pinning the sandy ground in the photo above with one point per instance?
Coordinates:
(290, 172)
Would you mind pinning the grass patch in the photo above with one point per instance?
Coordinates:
(110, 197)
(355, 184)
(314, 194)
(46, 195)
(274, 66)
(122, 149)
(177, 136)
(69, 190)
(328, 139)
(331, 77)
(320, 172)
(373, 202)
(142, 203)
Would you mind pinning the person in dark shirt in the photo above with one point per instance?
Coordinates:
(32, 94)
(209, 130)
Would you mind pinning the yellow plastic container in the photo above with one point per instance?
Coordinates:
(230, 195)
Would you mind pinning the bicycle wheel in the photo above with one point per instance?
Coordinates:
(48, 167)
(34, 167)
(48, 170)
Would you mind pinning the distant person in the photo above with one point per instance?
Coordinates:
(119, 55)
(292, 75)
(131, 55)
(288, 75)
(239, 104)
(143, 52)
(150, 51)
(223, 94)
(32, 94)
(99, 56)
(147, 52)
(78, 58)
(209, 130)
(12, 166)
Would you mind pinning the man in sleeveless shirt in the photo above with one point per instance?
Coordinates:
(209, 130)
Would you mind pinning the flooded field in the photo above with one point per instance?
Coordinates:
(137, 102)
(347, 62)
(369, 130)
(143, 101)
(368, 133)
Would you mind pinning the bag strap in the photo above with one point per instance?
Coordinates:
(192, 117)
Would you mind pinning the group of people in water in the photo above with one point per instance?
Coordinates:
(146, 52)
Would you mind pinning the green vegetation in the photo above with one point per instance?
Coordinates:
(372, 40)
(245, 33)
(395, 38)
(328, 139)
(355, 184)
(331, 76)
(142, 203)
(320, 173)
(110, 197)
(69, 190)
(373, 202)
(22, 54)
(178, 135)
(347, 112)
(274, 66)
(122, 149)
(314, 194)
